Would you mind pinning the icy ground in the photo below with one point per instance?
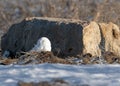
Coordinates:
(94, 75)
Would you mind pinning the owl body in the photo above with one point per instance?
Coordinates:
(43, 44)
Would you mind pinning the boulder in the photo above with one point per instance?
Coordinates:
(68, 37)
(92, 39)
(65, 35)
(111, 38)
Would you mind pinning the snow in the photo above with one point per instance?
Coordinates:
(93, 75)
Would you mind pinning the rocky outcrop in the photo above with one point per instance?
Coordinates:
(68, 37)
(111, 38)
(65, 35)
(92, 39)
(100, 38)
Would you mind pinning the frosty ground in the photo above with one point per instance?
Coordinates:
(75, 75)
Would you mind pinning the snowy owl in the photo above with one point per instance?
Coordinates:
(43, 44)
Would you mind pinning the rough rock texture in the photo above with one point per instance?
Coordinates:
(65, 35)
(68, 37)
(111, 38)
(92, 39)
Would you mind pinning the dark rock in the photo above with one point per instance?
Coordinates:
(65, 35)
(68, 37)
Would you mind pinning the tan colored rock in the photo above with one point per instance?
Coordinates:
(111, 36)
(92, 39)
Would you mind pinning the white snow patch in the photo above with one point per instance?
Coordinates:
(43, 44)
(93, 75)
(9, 81)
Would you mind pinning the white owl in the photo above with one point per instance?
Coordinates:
(43, 44)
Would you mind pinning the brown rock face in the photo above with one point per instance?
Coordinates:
(92, 39)
(111, 36)
(65, 35)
